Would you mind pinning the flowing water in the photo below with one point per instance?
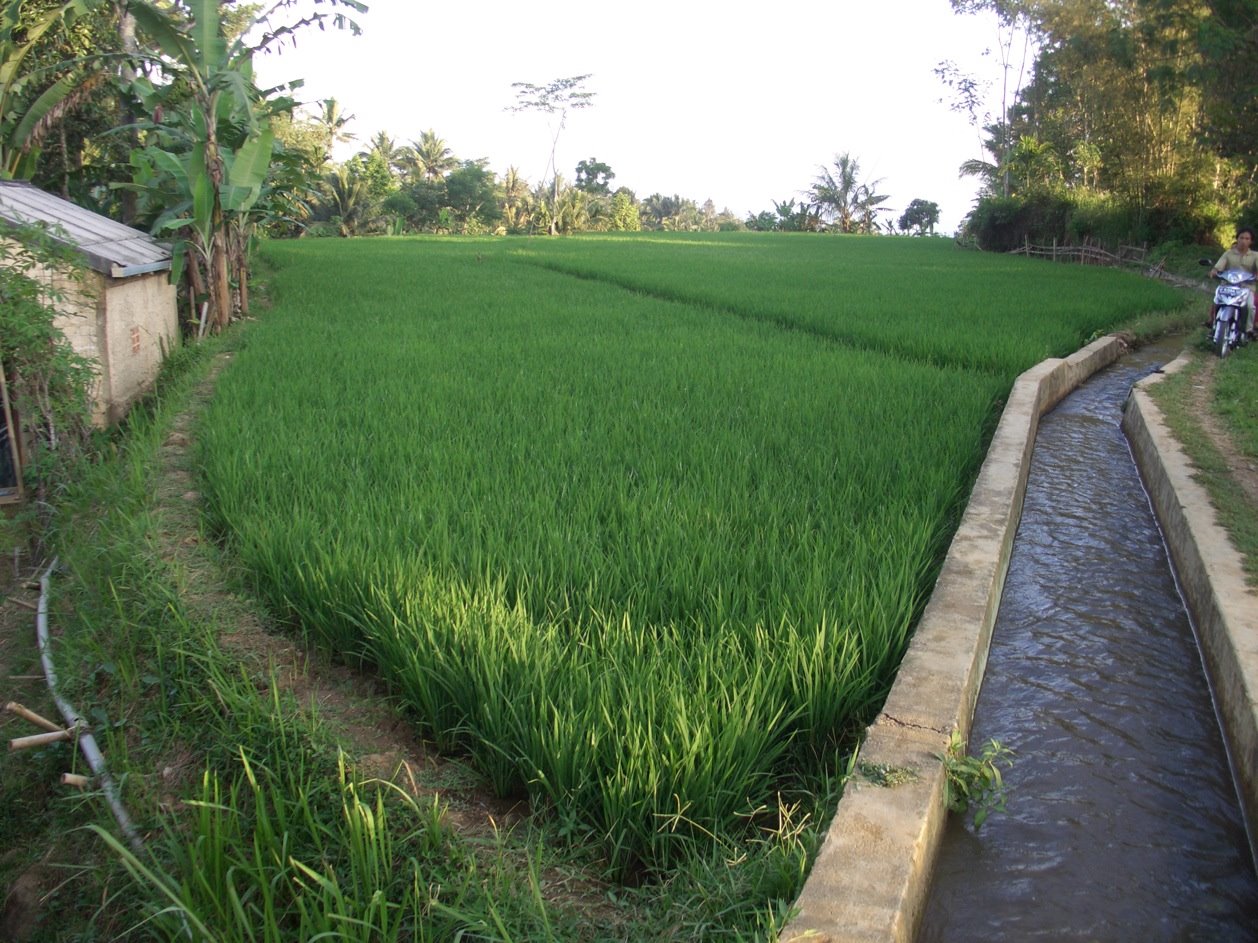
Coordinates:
(1123, 821)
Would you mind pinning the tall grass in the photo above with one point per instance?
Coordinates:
(262, 863)
(640, 560)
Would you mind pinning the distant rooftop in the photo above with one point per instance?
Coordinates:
(108, 246)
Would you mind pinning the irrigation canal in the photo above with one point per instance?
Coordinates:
(1123, 820)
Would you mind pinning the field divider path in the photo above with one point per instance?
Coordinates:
(838, 338)
(871, 877)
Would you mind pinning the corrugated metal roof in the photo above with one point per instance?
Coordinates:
(109, 247)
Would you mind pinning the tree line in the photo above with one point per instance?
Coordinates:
(170, 133)
(422, 186)
(149, 111)
(1119, 121)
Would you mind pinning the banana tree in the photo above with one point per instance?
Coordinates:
(24, 120)
(219, 157)
(172, 176)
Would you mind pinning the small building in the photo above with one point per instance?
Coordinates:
(121, 315)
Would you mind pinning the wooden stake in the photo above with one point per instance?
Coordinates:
(75, 780)
(13, 707)
(14, 437)
(40, 739)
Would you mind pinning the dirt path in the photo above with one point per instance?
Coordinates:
(1242, 468)
(353, 704)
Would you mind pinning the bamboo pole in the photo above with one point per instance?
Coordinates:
(39, 740)
(13, 707)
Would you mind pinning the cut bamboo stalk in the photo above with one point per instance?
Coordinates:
(13, 707)
(39, 740)
(75, 780)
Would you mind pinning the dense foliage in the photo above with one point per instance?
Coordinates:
(1136, 124)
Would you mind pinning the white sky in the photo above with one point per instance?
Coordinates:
(694, 97)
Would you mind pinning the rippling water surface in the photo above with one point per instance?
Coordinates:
(1123, 821)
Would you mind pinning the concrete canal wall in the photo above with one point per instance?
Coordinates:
(872, 875)
(1223, 609)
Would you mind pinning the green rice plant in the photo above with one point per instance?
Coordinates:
(131, 650)
(922, 298)
(643, 560)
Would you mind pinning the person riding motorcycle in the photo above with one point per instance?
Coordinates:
(1240, 256)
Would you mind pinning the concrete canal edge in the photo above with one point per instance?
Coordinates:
(1211, 579)
(872, 874)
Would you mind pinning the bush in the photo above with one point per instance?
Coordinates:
(1001, 224)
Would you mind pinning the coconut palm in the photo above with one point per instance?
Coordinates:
(1034, 164)
(836, 194)
(573, 211)
(430, 157)
(516, 202)
(333, 121)
(844, 200)
(868, 206)
(393, 156)
(349, 200)
(992, 171)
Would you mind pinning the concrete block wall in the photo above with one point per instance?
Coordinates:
(139, 326)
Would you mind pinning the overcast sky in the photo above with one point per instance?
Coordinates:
(694, 97)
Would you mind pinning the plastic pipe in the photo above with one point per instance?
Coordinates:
(87, 743)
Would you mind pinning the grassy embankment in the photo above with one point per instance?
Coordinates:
(647, 558)
(1229, 389)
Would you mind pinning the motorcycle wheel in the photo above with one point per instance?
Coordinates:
(1222, 340)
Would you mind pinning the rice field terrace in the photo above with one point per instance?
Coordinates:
(640, 525)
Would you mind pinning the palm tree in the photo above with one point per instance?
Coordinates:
(993, 172)
(393, 156)
(333, 122)
(868, 206)
(430, 157)
(1034, 163)
(836, 194)
(573, 211)
(665, 211)
(516, 209)
(349, 200)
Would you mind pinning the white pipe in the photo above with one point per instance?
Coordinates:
(87, 743)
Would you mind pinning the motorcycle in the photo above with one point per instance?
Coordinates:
(1231, 298)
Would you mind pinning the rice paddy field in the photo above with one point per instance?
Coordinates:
(641, 526)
